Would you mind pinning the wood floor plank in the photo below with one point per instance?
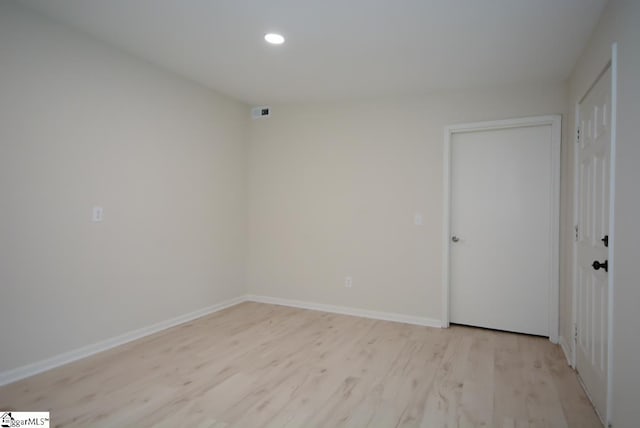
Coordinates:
(476, 405)
(258, 365)
(542, 398)
(443, 406)
(510, 407)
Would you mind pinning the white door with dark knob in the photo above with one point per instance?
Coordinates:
(592, 246)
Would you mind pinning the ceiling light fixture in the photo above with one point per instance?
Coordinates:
(274, 38)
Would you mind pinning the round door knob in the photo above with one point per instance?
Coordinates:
(454, 238)
(597, 265)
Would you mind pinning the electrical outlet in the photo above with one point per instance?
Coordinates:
(97, 215)
(348, 281)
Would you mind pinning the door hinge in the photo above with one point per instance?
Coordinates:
(577, 135)
(575, 332)
(576, 229)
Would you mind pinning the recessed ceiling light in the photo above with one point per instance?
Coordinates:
(274, 39)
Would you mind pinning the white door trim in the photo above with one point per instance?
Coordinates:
(613, 64)
(555, 122)
(612, 219)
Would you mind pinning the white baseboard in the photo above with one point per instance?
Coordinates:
(364, 313)
(22, 372)
(565, 349)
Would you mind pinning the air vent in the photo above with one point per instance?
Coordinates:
(260, 112)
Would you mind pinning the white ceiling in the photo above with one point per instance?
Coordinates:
(342, 49)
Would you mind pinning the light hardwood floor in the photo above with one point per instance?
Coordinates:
(258, 365)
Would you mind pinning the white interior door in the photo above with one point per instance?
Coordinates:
(502, 226)
(593, 175)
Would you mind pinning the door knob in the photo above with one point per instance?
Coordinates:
(605, 265)
(454, 238)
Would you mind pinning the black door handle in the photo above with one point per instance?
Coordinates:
(605, 265)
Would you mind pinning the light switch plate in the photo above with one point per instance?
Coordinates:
(417, 219)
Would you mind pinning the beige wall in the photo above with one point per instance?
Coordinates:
(83, 124)
(333, 190)
(621, 23)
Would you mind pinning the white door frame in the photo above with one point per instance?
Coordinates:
(613, 64)
(555, 122)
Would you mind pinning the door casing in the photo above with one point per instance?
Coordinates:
(555, 122)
